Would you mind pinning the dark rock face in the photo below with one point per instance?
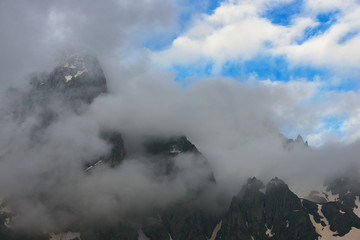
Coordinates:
(275, 214)
(285, 215)
(170, 147)
(73, 84)
(155, 227)
(187, 221)
(246, 214)
(340, 221)
(53, 94)
(117, 152)
(78, 78)
(113, 232)
(234, 225)
(163, 151)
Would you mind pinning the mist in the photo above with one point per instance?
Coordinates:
(236, 124)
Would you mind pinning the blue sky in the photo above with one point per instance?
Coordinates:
(282, 41)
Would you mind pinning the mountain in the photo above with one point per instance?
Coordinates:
(289, 143)
(78, 78)
(273, 212)
(257, 211)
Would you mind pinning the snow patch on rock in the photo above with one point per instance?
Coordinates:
(269, 232)
(7, 223)
(65, 236)
(356, 209)
(263, 190)
(141, 235)
(68, 78)
(78, 73)
(175, 150)
(215, 231)
(67, 65)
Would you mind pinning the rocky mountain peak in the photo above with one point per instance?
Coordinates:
(78, 77)
(255, 184)
(298, 141)
(276, 184)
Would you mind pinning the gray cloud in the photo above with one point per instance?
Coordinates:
(235, 125)
(34, 32)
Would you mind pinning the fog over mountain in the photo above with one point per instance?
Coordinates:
(46, 142)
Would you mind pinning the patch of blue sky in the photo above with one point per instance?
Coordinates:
(272, 68)
(283, 13)
(348, 36)
(334, 123)
(267, 68)
(347, 84)
(212, 5)
(324, 20)
(186, 12)
(331, 124)
(194, 72)
(158, 42)
(262, 67)
(189, 7)
(289, 132)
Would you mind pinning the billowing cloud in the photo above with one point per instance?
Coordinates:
(234, 31)
(335, 47)
(241, 30)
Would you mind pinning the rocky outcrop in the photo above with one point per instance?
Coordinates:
(274, 213)
(336, 207)
(289, 143)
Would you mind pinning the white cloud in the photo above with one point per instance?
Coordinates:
(237, 31)
(233, 31)
(327, 5)
(326, 49)
(320, 115)
(351, 126)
